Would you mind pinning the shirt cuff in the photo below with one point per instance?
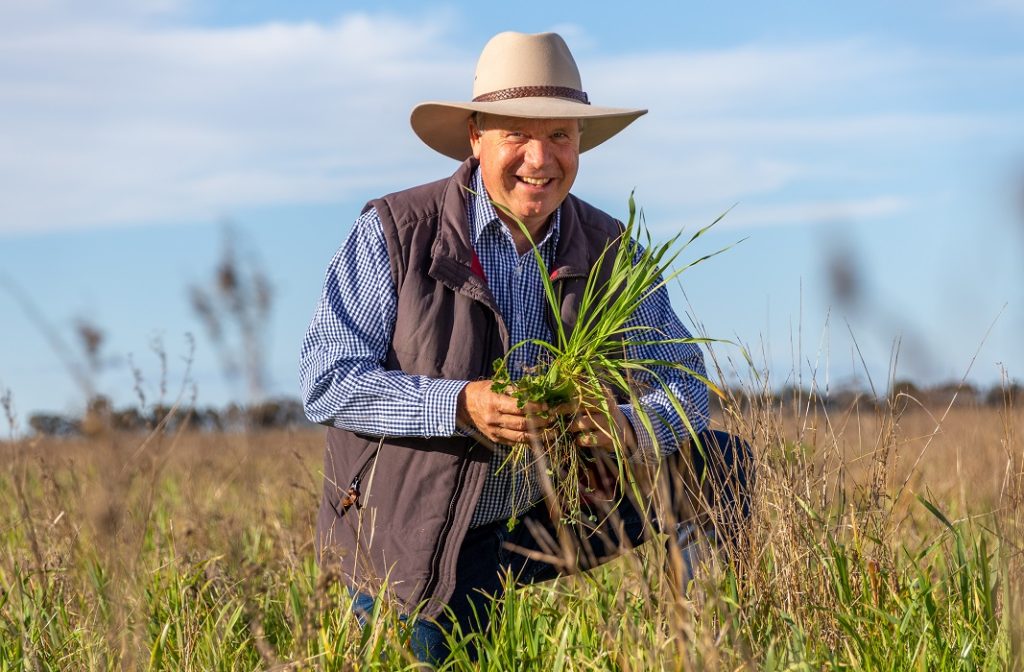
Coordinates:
(646, 452)
(440, 404)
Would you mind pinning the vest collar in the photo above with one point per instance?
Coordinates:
(451, 257)
(571, 258)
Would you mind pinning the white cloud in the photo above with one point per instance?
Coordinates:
(816, 212)
(35, 15)
(109, 123)
(715, 130)
(685, 178)
(120, 115)
(742, 79)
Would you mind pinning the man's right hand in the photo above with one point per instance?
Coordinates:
(498, 416)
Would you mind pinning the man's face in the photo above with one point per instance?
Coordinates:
(528, 165)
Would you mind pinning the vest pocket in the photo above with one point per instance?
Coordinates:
(350, 494)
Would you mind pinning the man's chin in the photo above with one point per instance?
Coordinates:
(536, 219)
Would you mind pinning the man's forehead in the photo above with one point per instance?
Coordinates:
(523, 123)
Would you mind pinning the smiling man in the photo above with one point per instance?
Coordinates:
(431, 287)
(527, 165)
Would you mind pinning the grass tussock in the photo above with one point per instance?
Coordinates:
(598, 359)
(882, 539)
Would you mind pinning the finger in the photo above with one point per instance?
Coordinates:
(503, 405)
(544, 422)
(516, 429)
(588, 438)
(567, 407)
(596, 410)
(595, 440)
(515, 423)
(536, 408)
(586, 423)
(511, 436)
(511, 406)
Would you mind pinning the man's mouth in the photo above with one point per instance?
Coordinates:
(535, 181)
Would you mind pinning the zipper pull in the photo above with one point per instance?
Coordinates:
(351, 497)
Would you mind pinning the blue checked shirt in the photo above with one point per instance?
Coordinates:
(345, 385)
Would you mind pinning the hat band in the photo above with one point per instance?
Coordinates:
(533, 92)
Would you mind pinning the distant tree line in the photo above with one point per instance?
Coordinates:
(285, 413)
(100, 416)
(902, 395)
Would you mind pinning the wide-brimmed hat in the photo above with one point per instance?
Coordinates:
(530, 76)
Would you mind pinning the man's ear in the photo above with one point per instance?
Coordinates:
(474, 137)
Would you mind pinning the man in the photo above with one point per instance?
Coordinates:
(433, 284)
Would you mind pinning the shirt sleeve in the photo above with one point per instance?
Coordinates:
(672, 423)
(344, 383)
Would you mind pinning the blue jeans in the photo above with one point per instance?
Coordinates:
(427, 640)
(485, 558)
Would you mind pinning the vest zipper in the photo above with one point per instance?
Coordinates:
(460, 481)
(435, 560)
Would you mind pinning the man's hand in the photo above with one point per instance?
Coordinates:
(596, 430)
(498, 416)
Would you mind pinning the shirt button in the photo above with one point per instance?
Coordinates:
(440, 428)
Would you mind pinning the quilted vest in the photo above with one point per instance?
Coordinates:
(394, 509)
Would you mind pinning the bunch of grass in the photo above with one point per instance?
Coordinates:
(580, 367)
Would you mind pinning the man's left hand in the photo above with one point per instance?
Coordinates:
(594, 429)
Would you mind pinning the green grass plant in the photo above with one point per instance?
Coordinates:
(587, 367)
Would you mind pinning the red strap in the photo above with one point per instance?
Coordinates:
(477, 268)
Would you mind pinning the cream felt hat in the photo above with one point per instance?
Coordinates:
(518, 75)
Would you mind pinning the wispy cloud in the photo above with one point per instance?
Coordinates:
(122, 115)
(842, 128)
(733, 79)
(817, 212)
(131, 123)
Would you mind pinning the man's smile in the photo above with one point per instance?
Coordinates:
(535, 181)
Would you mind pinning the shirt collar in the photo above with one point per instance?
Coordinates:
(483, 214)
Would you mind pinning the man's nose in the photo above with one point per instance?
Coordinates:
(537, 152)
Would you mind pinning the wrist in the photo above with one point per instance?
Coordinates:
(464, 402)
(640, 446)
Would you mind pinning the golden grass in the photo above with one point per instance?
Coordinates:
(98, 531)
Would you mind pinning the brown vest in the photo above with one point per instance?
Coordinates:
(417, 495)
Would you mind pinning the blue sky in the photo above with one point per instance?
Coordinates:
(886, 139)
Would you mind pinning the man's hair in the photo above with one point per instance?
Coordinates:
(480, 121)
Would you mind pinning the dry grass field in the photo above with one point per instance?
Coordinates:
(881, 538)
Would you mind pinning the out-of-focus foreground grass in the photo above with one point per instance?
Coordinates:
(881, 538)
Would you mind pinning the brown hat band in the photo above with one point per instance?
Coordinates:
(533, 92)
